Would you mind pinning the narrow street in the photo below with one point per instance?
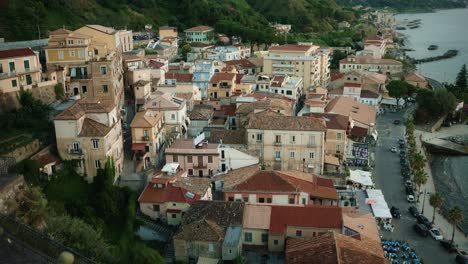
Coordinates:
(388, 177)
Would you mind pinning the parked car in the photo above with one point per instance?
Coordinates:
(410, 198)
(394, 149)
(413, 211)
(408, 183)
(421, 229)
(423, 220)
(435, 233)
(396, 121)
(401, 141)
(409, 191)
(395, 212)
(462, 258)
(448, 245)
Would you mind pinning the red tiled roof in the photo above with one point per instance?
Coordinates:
(369, 94)
(242, 63)
(333, 248)
(278, 81)
(229, 110)
(239, 77)
(199, 28)
(13, 53)
(47, 159)
(287, 181)
(290, 47)
(173, 211)
(336, 75)
(168, 194)
(332, 121)
(347, 84)
(305, 216)
(60, 31)
(180, 77)
(155, 64)
(222, 76)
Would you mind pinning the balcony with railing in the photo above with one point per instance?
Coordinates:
(74, 151)
(283, 72)
(277, 143)
(281, 65)
(11, 74)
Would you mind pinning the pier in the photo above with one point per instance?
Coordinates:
(444, 146)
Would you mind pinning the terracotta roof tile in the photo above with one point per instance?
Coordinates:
(60, 31)
(14, 53)
(241, 64)
(332, 248)
(147, 118)
(91, 128)
(284, 181)
(415, 77)
(332, 121)
(227, 136)
(222, 76)
(222, 213)
(359, 131)
(305, 216)
(336, 75)
(349, 107)
(291, 47)
(201, 112)
(154, 195)
(203, 230)
(279, 122)
(107, 30)
(199, 28)
(85, 105)
(195, 185)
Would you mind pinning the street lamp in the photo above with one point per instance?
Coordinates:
(424, 200)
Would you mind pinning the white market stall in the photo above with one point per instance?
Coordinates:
(363, 178)
(376, 200)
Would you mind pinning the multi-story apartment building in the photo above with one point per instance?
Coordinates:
(20, 69)
(304, 60)
(148, 137)
(222, 85)
(370, 64)
(88, 132)
(202, 73)
(336, 139)
(180, 83)
(203, 34)
(91, 57)
(291, 87)
(198, 157)
(287, 142)
(174, 109)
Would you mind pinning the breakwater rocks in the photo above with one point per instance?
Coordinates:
(447, 55)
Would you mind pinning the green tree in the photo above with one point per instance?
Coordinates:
(437, 103)
(186, 48)
(77, 234)
(397, 90)
(461, 81)
(455, 215)
(436, 200)
(59, 92)
(417, 161)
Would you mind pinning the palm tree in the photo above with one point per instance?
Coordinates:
(420, 178)
(436, 200)
(418, 161)
(455, 215)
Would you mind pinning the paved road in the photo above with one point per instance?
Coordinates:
(389, 179)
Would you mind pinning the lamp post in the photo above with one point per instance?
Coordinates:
(424, 200)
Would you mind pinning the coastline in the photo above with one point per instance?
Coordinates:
(440, 220)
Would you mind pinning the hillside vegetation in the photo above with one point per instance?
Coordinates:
(30, 19)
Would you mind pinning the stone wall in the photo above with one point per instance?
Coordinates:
(45, 93)
(24, 152)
